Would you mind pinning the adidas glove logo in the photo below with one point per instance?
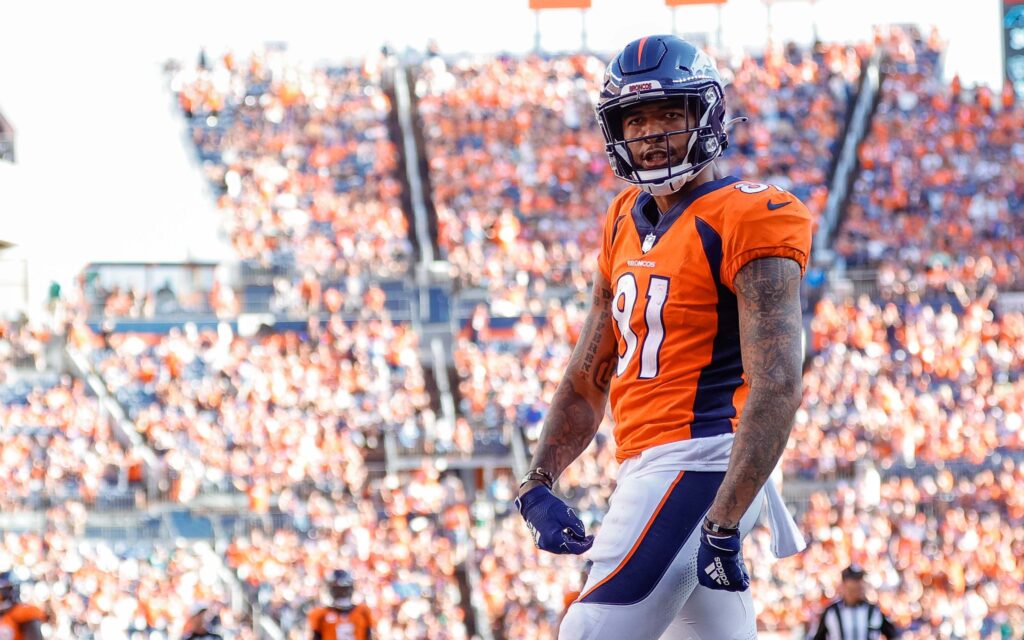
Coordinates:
(716, 572)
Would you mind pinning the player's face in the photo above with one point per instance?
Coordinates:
(853, 589)
(657, 119)
(340, 593)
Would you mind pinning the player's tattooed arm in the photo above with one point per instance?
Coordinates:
(768, 293)
(578, 403)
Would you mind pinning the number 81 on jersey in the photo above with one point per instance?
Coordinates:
(623, 304)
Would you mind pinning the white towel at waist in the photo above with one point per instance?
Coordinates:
(712, 454)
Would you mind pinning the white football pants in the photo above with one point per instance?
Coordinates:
(643, 583)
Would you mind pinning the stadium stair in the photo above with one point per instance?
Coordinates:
(434, 322)
(123, 428)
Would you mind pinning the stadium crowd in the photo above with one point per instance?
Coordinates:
(899, 381)
(56, 445)
(93, 589)
(401, 537)
(943, 553)
(302, 163)
(264, 413)
(942, 174)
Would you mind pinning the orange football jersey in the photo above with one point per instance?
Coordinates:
(12, 619)
(679, 373)
(333, 624)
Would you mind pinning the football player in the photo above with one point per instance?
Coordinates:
(341, 619)
(694, 334)
(18, 621)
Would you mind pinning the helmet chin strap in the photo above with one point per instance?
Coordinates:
(668, 186)
(342, 603)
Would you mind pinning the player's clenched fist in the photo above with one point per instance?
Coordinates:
(553, 524)
(719, 561)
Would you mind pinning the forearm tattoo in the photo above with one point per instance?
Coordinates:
(578, 404)
(770, 336)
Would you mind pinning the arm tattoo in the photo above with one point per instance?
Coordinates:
(596, 368)
(770, 340)
(568, 429)
(578, 404)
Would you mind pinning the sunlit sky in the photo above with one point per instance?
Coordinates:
(103, 173)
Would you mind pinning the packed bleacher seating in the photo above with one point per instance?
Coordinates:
(517, 167)
(941, 173)
(302, 164)
(942, 553)
(278, 410)
(901, 382)
(92, 589)
(400, 537)
(56, 445)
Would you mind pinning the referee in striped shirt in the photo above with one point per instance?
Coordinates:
(852, 617)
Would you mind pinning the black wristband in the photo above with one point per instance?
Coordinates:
(539, 475)
(716, 529)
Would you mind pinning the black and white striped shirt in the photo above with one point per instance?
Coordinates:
(863, 621)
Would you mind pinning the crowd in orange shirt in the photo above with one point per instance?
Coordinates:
(302, 164)
(943, 554)
(942, 179)
(401, 538)
(262, 414)
(99, 590)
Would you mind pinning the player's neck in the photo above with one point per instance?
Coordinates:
(665, 203)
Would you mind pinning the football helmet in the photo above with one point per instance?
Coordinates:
(9, 590)
(341, 587)
(653, 69)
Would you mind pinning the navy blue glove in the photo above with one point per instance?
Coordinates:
(553, 525)
(720, 561)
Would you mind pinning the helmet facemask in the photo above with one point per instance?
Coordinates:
(704, 108)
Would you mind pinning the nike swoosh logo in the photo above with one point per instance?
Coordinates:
(772, 206)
